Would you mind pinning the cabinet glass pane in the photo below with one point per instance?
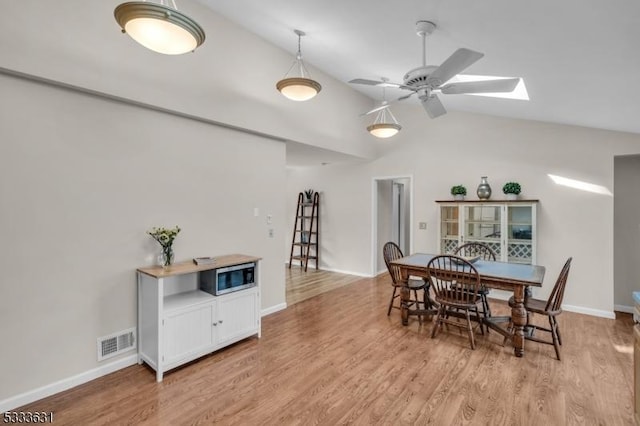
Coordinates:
(482, 224)
(519, 234)
(449, 231)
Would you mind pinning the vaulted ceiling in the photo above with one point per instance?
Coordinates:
(579, 58)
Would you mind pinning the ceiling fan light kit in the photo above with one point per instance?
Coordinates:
(160, 28)
(298, 88)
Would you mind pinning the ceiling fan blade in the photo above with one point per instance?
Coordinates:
(380, 108)
(433, 106)
(457, 62)
(379, 83)
(486, 86)
(402, 98)
(365, 81)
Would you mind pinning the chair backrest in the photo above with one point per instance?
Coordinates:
(476, 249)
(391, 251)
(554, 303)
(453, 279)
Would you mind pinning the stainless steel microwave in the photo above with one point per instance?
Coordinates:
(231, 278)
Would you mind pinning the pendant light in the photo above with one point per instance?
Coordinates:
(160, 28)
(385, 125)
(299, 88)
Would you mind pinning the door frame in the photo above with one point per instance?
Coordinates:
(374, 217)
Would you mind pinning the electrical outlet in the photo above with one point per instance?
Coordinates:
(422, 225)
(269, 218)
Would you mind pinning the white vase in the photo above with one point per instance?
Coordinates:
(458, 197)
(511, 197)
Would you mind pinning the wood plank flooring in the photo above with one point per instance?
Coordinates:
(303, 285)
(338, 359)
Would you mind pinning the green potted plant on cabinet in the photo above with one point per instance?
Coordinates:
(458, 192)
(511, 190)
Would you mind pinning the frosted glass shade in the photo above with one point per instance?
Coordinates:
(159, 28)
(384, 130)
(298, 88)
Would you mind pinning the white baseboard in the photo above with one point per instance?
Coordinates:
(68, 383)
(589, 311)
(623, 308)
(273, 309)
(357, 274)
(504, 295)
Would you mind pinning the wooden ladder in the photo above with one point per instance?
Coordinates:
(305, 232)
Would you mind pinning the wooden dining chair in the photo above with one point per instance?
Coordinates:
(391, 252)
(486, 253)
(551, 308)
(455, 283)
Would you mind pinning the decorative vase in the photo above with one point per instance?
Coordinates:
(511, 196)
(458, 197)
(484, 190)
(166, 258)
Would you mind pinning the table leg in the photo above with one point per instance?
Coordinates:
(405, 296)
(519, 317)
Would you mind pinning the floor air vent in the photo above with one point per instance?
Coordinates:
(117, 343)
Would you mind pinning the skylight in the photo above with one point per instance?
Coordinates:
(520, 92)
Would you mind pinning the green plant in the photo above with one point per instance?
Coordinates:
(458, 190)
(308, 193)
(511, 188)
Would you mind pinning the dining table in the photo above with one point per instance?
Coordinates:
(512, 277)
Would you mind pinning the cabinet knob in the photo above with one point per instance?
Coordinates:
(220, 321)
(215, 323)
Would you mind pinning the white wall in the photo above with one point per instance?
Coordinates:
(81, 181)
(627, 229)
(461, 147)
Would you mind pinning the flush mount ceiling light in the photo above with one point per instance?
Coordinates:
(160, 28)
(299, 88)
(385, 125)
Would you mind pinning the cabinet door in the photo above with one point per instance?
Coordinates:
(520, 233)
(237, 315)
(187, 331)
(449, 228)
(482, 224)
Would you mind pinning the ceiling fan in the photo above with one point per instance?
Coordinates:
(428, 80)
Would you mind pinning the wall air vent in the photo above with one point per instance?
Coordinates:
(117, 343)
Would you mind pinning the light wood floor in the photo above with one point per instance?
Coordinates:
(303, 285)
(338, 359)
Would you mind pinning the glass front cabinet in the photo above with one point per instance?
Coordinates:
(508, 227)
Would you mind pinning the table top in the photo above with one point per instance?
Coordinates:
(189, 267)
(514, 273)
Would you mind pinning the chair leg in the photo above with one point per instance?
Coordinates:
(554, 336)
(485, 304)
(470, 329)
(438, 322)
(415, 295)
(555, 323)
(393, 296)
(480, 322)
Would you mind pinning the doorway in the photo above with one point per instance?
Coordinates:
(392, 215)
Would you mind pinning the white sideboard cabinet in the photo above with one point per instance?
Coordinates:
(508, 227)
(178, 322)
